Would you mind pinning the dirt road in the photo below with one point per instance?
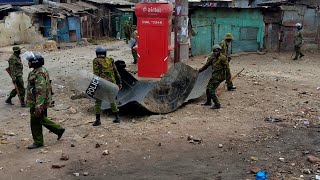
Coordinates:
(271, 123)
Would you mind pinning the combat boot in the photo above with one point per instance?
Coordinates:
(117, 118)
(97, 122)
(232, 88)
(208, 102)
(8, 101)
(23, 104)
(301, 55)
(216, 106)
(34, 146)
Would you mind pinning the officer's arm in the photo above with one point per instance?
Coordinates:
(224, 62)
(209, 62)
(96, 68)
(12, 67)
(116, 73)
(40, 90)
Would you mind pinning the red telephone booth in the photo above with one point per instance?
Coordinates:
(154, 38)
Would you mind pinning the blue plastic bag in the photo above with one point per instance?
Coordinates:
(262, 175)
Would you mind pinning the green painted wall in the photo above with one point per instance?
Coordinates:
(210, 26)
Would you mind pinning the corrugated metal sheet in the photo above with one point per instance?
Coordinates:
(5, 7)
(112, 2)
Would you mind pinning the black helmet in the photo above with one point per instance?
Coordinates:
(35, 59)
(101, 51)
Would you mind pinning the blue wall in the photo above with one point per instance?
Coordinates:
(74, 24)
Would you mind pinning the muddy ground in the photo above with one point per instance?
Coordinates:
(271, 122)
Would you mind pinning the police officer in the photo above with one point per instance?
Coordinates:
(15, 70)
(219, 65)
(225, 45)
(127, 30)
(298, 39)
(133, 43)
(105, 68)
(39, 99)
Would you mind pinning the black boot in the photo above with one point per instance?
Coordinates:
(34, 146)
(208, 102)
(232, 88)
(301, 55)
(23, 104)
(97, 122)
(60, 134)
(216, 106)
(117, 118)
(8, 101)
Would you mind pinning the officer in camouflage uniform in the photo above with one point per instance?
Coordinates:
(105, 68)
(298, 39)
(225, 44)
(39, 99)
(219, 64)
(133, 43)
(15, 70)
(127, 30)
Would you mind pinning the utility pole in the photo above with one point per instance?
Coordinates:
(181, 45)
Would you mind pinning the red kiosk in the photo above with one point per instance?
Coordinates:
(154, 38)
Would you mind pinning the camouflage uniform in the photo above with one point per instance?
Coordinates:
(298, 38)
(16, 72)
(225, 52)
(106, 69)
(219, 67)
(127, 31)
(39, 97)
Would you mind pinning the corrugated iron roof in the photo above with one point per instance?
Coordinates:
(112, 2)
(5, 7)
(62, 8)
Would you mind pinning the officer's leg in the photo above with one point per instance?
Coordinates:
(21, 88)
(230, 85)
(36, 129)
(212, 89)
(300, 53)
(296, 49)
(115, 110)
(98, 112)
(52, 126)
(135, 56)
(208, 102)
(13, 93)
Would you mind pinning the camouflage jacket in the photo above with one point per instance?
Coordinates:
(225, 48)
(39, 88)
(15, 66)
(298, 38)
(219, 65)
(106, 69)
(127, 29)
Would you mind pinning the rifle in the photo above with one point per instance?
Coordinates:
(221, 87)
(15, 85)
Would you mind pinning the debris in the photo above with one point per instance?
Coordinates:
(255, 170)
(272, 119)
(86, 135)
(220, 145)
(105, 152)
(3, 142)
(313, 159)
(1, 168)
(76, 174)
(262, 175)
(85, 173)
(72, 145)
(318, 88)
(159, 144)
(72, 110)
(306, 123)
(306, 152)
(281, 159)
(306, 171)
(40, 161)
(43, 151)
(64, 157)
(9, 134)
(194, 140)
(254, 158)
(21, 170)
(25, 139)
(57, 166)
(98, 145)
(155, 117)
